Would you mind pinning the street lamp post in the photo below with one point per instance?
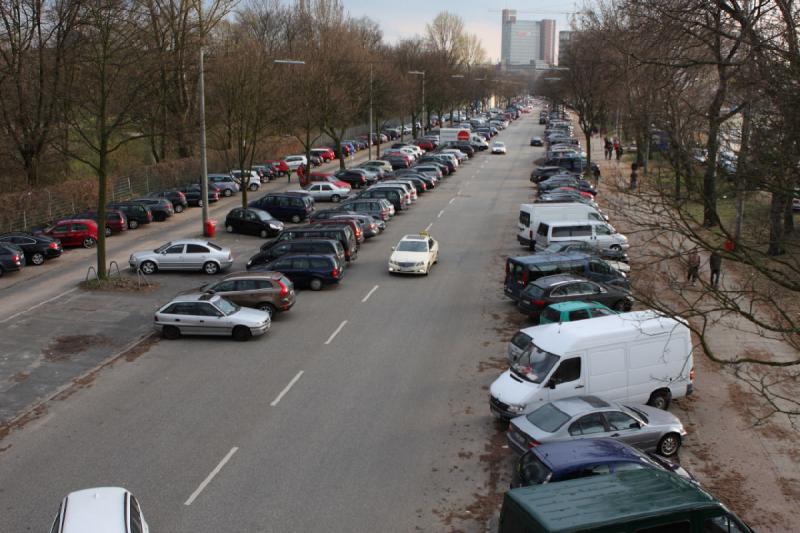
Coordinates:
(421, 73)
(203, 159)
(369, 141)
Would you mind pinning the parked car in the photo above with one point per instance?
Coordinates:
(369, 225)
(209, 314)
(536, 141)
(573, 310)
(194, 196)
(559, 288)
(612, 257)
(327, 192)
(294, 161)
(116, 221)
(74, 232)
(285, 206)
(227, 184)
(37, 248)
(178, 199)
(137, 214)
(160, 207)
(307, 270)
(253, 182)
(277, 249)
(371, 206)
(340, 232)
(498, 148)
(558, 461)
(278, 165)
(647, 428)
(252, 221)
(271, 292)
(395, 196)
(356, 180)
(186, 254)
(106, 509)
(12, 258)
(325, 153)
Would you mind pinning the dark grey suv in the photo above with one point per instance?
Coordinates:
(566, 287)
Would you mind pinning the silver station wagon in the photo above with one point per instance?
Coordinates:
(209, 314)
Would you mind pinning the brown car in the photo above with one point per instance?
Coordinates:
(271, 292)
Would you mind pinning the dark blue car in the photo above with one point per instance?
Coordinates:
(307, 270)
(288, 206)
(572, 459)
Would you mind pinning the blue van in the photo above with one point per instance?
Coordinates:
(287, 206)
(522, 270)
(307, 270)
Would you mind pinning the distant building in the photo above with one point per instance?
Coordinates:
(527, 44)
(563, 41)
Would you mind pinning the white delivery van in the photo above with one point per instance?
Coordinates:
(530, 215)
(452, 135)
(638, 357)
(599, 234)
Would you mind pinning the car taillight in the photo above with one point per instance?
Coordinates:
(691, 375)
(149, 216)
(182, 196)
(538, 303)
(15, 258)
(525, 277)
(335, 272)
(53, 246)
(284, 289)
(532, 443)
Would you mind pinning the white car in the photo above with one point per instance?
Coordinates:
(414, 254)
(253, 183)
(327, 192)
(209, 314)
(498, 148)
(106, 509)
(294, 161)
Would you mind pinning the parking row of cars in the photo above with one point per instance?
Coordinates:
(587, 388)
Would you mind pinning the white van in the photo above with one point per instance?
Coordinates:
(530, 215)
(477, 140)
(637, 357)
(599, 234)
(106, 509)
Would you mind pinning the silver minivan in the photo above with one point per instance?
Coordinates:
(598, 233)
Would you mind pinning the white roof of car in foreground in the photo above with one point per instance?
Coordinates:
(414, 238)
(567, 337)
(97, 510)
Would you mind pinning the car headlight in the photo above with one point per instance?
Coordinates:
(276, 226)
(516, 408)
(419, 263)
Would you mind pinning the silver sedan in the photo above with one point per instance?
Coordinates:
(209, 314)
(187, 254)
(326, 192)
(579, 417)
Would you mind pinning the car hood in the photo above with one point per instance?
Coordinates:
(619, 265)
(660, 418)
(146, 254)
(513, 390)
(250, 317)
(408, 256)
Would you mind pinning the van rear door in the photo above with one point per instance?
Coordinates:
(542, 236)
(525, 234)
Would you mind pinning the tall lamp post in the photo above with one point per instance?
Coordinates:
(421, 73)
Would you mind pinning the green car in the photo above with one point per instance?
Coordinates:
(572, 311)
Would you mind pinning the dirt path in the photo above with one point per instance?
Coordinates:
(753, 468)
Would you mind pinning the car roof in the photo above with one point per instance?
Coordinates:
(597, 501)
(254, 275)
(310, 255)
(195, 241)
(576, 405)
(569, 454)
(415, 237)
(557, 279)
(549, 258)
(575, 305)
(95, 511)
(64, 220)
(195, 297)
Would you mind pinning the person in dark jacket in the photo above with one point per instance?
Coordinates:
(715, 265)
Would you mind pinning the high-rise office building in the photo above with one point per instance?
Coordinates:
(563, 41)
(527, 42)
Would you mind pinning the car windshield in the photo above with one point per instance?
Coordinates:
(263, 215)
(412, 246)
(227, 307)
(162, 247)
(534, 364)
(521, 340)
(548, 418)
(636, 413)
(532, 471)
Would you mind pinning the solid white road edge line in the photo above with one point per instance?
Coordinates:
(31, 308)
(440, 214)
(365, 298)
(280, 396)
(213, 473)
(333, 335)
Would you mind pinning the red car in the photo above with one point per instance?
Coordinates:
(326, 154)
(116, 221)
(424, 144)
(280, 166)
(74, 232)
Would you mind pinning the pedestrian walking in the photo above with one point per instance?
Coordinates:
(693, 273)
(634, 176)
(301, 174)
(715, 264)
(289, 175)
(596, 174)
(618, 148)
(609, 147)
(614, 148)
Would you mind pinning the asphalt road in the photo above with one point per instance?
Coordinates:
(340, 419)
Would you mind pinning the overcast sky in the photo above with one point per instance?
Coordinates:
(405, 18)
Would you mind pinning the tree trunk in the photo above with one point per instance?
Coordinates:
(102, 183)
(741, 173)
(788, 217)
(710, 217)
(776, 225)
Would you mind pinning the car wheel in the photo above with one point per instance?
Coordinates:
(210, 268)
(335, 198)
(170, 332)
(616, 247)
(108, 231)
(148, 267)
(199, 203)
(315, 284)
(669, 445)
(253, 187)
(88, 242)
(229, 228)
(133, 224)
(179, 208)
(296, 218)
(37, 258)
(242, 333)
(264, 234)
(267, 308)
(659, 399)
(620, 306)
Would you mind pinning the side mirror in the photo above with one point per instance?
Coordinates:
(551, 384)
(392, 248)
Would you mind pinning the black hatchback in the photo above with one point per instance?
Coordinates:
(252, 222)
(559, 288)
(37, 248)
